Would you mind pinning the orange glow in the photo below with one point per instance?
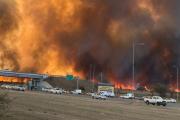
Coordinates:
(146, 5)
(13, 80)
(177, 90)
(52, 36)
(119, 85)
(30, 34)
(174, 88)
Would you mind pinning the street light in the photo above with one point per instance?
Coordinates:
(77, 84)
(177, 82)
(133, 60)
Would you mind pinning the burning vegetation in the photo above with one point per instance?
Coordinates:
(68, 36)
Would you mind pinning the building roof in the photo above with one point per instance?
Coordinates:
(105, 84)
(8, 73)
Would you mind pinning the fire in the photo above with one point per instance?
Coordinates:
(123, 86)
(30, 35)
(14, 80)
(177, 90)
(174, 88)
(62, 37)
(119, 85)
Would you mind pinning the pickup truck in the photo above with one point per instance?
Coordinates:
(155, 100)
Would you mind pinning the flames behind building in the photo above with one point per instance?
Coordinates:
(69, 36)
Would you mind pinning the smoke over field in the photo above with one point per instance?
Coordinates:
(68, 36)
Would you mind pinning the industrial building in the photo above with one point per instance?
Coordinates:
(33, 81)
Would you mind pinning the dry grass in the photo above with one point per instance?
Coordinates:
(4, 105)
(41, 106)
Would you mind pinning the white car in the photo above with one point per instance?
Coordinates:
(77, 92)
(128, 96)
(170, 100)
(155, 100)
(98, 96)
(19, 88)
(56, 91)
(4, 86)
(45, 89)
(90, 94)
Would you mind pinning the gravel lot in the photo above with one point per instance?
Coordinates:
(41, 106)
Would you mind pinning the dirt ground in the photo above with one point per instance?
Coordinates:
(42, 106)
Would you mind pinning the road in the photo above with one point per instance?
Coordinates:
(42, 106)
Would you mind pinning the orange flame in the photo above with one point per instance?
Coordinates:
(119, 85)
(14, 80)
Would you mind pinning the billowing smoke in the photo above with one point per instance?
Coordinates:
(69, 36)
(8, 22)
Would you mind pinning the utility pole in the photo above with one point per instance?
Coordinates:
(93, 76)
(77, 85)
(133, 62)
(177, 81)
(133, 71)
(90, 70)
(177, 73)
(90, 79)
(101, 77)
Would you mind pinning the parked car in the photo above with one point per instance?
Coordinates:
(77, 92)
(14, 87)
(98, 96)
(46, 89)
(56, 91)
(128, 96)
(155, 100)
(170, 100)
(90, 94)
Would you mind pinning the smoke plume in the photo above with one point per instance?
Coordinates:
(69, 36)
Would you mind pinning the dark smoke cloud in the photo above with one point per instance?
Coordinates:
(7, 16)
(8, 22)
(90, 43)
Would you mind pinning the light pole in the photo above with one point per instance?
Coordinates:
(177, 82)
(101, 77)
(133, 60)
(77, 85)
(93, 76)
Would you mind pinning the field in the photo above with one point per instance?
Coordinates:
(41, 106)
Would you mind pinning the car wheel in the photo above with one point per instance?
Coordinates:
(158, 104)
(164, 104)
(147, 102)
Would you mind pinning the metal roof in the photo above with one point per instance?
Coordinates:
(8, 73)
(105, 84)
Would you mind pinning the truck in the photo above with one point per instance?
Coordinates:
(107, 93)
(155, 100)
